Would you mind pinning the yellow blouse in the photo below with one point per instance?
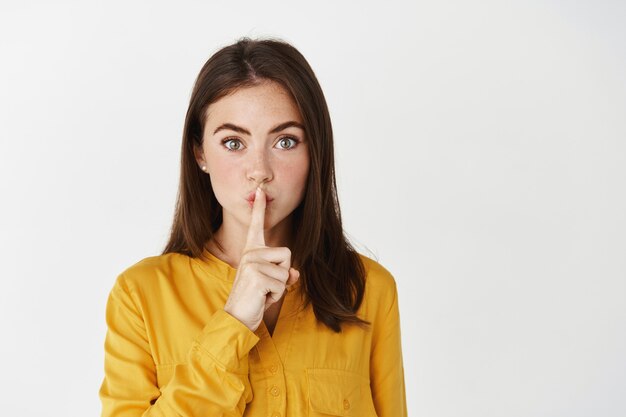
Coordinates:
(172, 351)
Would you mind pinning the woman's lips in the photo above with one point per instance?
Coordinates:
(251, 198)
(268, 203)
(252, 195)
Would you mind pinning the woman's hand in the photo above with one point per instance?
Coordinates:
(263, 272)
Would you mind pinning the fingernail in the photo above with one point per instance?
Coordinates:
(258, 190)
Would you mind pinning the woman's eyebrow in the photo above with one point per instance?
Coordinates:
(276, 129)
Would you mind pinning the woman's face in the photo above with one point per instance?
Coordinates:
(256, 136)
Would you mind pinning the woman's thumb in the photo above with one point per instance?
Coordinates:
(294, 275)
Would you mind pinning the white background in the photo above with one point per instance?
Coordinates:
(481, 157)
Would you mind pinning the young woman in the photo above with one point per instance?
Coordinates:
(258, 305)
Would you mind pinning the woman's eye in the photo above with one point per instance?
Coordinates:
(229, 148)
(286, 139)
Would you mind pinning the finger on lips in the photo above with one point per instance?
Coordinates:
(256, 235)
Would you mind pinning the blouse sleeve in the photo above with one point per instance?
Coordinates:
(386, 365)
(214, 381)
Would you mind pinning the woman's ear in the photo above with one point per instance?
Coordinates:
(199, 155)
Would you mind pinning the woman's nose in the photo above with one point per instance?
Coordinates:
(259, 169)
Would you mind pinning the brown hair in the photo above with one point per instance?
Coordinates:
(333, 276)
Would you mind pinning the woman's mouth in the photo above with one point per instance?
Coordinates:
(251, 197)
(267, 203)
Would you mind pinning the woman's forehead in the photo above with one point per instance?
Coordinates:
(265, 104)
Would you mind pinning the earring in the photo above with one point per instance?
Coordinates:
(204, 167)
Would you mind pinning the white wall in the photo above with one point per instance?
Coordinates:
(481, 158)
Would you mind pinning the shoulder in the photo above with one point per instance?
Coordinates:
(381, 291)
(377, 275)
(151, 270)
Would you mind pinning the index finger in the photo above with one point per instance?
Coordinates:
(256, 236)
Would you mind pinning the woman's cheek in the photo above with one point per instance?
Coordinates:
(222, 181)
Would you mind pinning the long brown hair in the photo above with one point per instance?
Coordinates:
(332, 274)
